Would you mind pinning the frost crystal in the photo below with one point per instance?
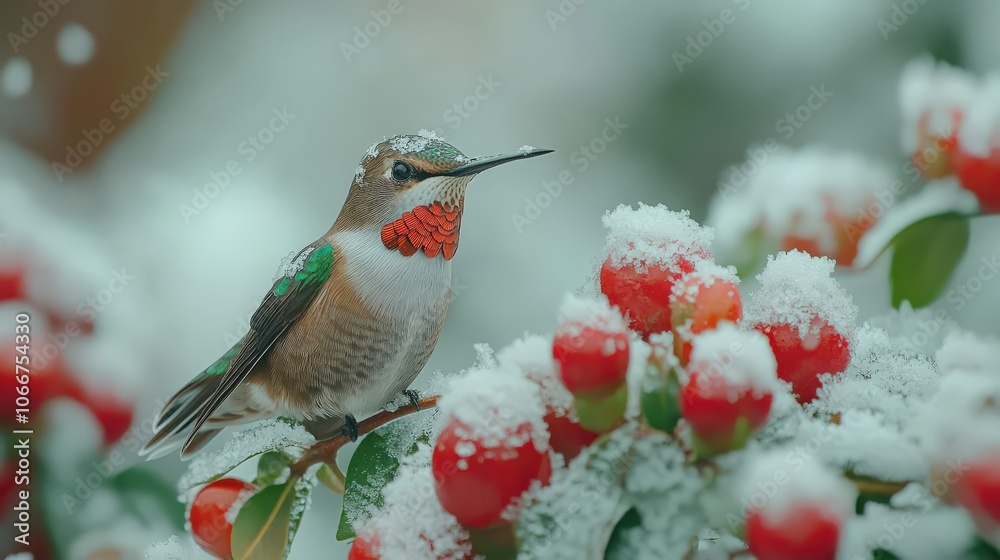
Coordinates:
(169, 549)
(277, 433)
(292, 264)
(796, 288)
(652, 235)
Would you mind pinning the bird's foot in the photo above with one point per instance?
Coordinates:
(414, 397)
(350, 428)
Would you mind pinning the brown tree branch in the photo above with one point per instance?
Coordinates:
(326, 451)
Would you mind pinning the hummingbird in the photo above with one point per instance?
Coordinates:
(354, 316)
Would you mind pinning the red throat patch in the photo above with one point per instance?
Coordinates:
(433, 229)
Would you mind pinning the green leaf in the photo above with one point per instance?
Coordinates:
(270, 467)
(981, 550)
(374, 465)
(262, 527)
(139, 487)
(925, 256)
(620, 546)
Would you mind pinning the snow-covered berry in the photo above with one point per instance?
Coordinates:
(648, 250)
(700, 301)
(729, 388)
(807, 317)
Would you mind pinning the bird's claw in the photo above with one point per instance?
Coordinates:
(350, 428)
(414, 397)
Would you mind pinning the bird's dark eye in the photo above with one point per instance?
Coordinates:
(401, 171)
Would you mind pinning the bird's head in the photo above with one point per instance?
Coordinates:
(412, 190)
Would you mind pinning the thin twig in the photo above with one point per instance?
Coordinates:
(326, 451)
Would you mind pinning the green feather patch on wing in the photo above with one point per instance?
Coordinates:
(222, 364)
(315, 270)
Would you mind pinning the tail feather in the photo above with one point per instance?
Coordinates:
(178, 415)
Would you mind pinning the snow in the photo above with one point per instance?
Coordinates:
(776, 481)
(169, 549)
(937, 197)
(526, 148)
(925, 531)
(292, 264)
(532, 355)
(596, 312)
(492, 405)
(276, 433)
(933, 92)
(810, 193)
(237, 505)
(961, 422)
(577, 511)
(796, 288)
(966, 351)
(979, 133)
(652, 235)
(706, 273)
(405, 144)
(412, 523)
(743, 359)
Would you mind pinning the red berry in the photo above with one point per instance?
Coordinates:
(365, 545)
(645, 296)
(210, 515)
(804, 531)
(697, 305)
(981, 175)
(12, 282)
(566, 436)
(721, 415)
(476, 482)
(805, 361)
(591, 360)
(978, 490)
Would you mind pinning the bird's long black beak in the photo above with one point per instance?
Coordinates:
(479, 165)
